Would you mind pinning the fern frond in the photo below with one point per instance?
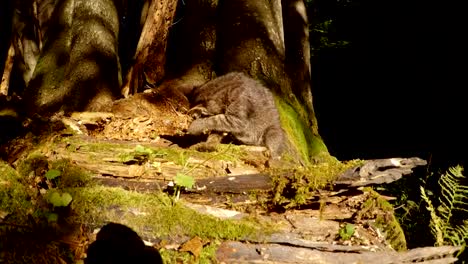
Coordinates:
(453, 202)
(454, 195)
(457, 235)
(436, 224)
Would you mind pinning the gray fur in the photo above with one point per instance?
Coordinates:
(240, 105)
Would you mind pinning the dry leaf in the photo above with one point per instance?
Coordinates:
(194, 246)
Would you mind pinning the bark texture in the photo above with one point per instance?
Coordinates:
(251, 39)
(193, 42)
(298, 56)
(150, 57)
(79, 66)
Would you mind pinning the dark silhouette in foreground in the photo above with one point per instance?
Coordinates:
(118, 244)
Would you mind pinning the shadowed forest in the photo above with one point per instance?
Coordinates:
(369, 95)
(387, 78)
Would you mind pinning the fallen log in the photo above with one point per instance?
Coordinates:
(378, 171)
(237, 252)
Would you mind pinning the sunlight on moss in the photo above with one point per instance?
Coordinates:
(293, 187)
(306, 143)
(207, 255)
(72, 175)
(14, 197)
(178, 156)
(155, 212)
(383, 212)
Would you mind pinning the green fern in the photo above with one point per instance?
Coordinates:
(453, 202)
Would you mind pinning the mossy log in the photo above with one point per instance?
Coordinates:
(139, 166)
(143, 166)
(236, 252)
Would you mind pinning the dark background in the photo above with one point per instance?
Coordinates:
(398, 88)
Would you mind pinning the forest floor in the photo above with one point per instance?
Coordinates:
(66, 177)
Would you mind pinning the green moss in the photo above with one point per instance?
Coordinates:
(152, 212)
(375, 207)
(71, 175)
(102, 147)
(8, 112)
(14, 197)
(177, 155)
(207, 255)
(294, 186)
(35, 163)
(38, 164)
(25, 236)
(172, 256)
(307, 144)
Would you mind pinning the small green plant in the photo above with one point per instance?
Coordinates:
(58, 199)
(447, 224)
(183, 178)
(346, 231)
(52, 174)
(55, 197)
(182, 181)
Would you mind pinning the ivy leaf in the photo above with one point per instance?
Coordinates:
(52, 174)
(346, 232)
(59, 200)
(184, 180)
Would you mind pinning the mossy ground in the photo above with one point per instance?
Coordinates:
(153, 215)
(155, 212)
(179, 156)
(295, 186)
(25, 210)
(375, 207)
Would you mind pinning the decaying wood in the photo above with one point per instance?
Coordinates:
(207, 173)
(237, 252)
(121, 162)
(150, 55)
(222, 184)
(5, 82)
(379, 171)
(236, 183)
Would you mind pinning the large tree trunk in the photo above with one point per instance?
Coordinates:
(250, 37)
(298, 56)
(78, 69)
(192, 42)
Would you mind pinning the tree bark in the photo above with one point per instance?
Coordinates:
(150, 57)
(298, 56)
(5, 81)
(78, 68)
(192, 42)
(251, 38)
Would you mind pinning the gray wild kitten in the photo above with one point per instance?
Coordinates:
(239, 105)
